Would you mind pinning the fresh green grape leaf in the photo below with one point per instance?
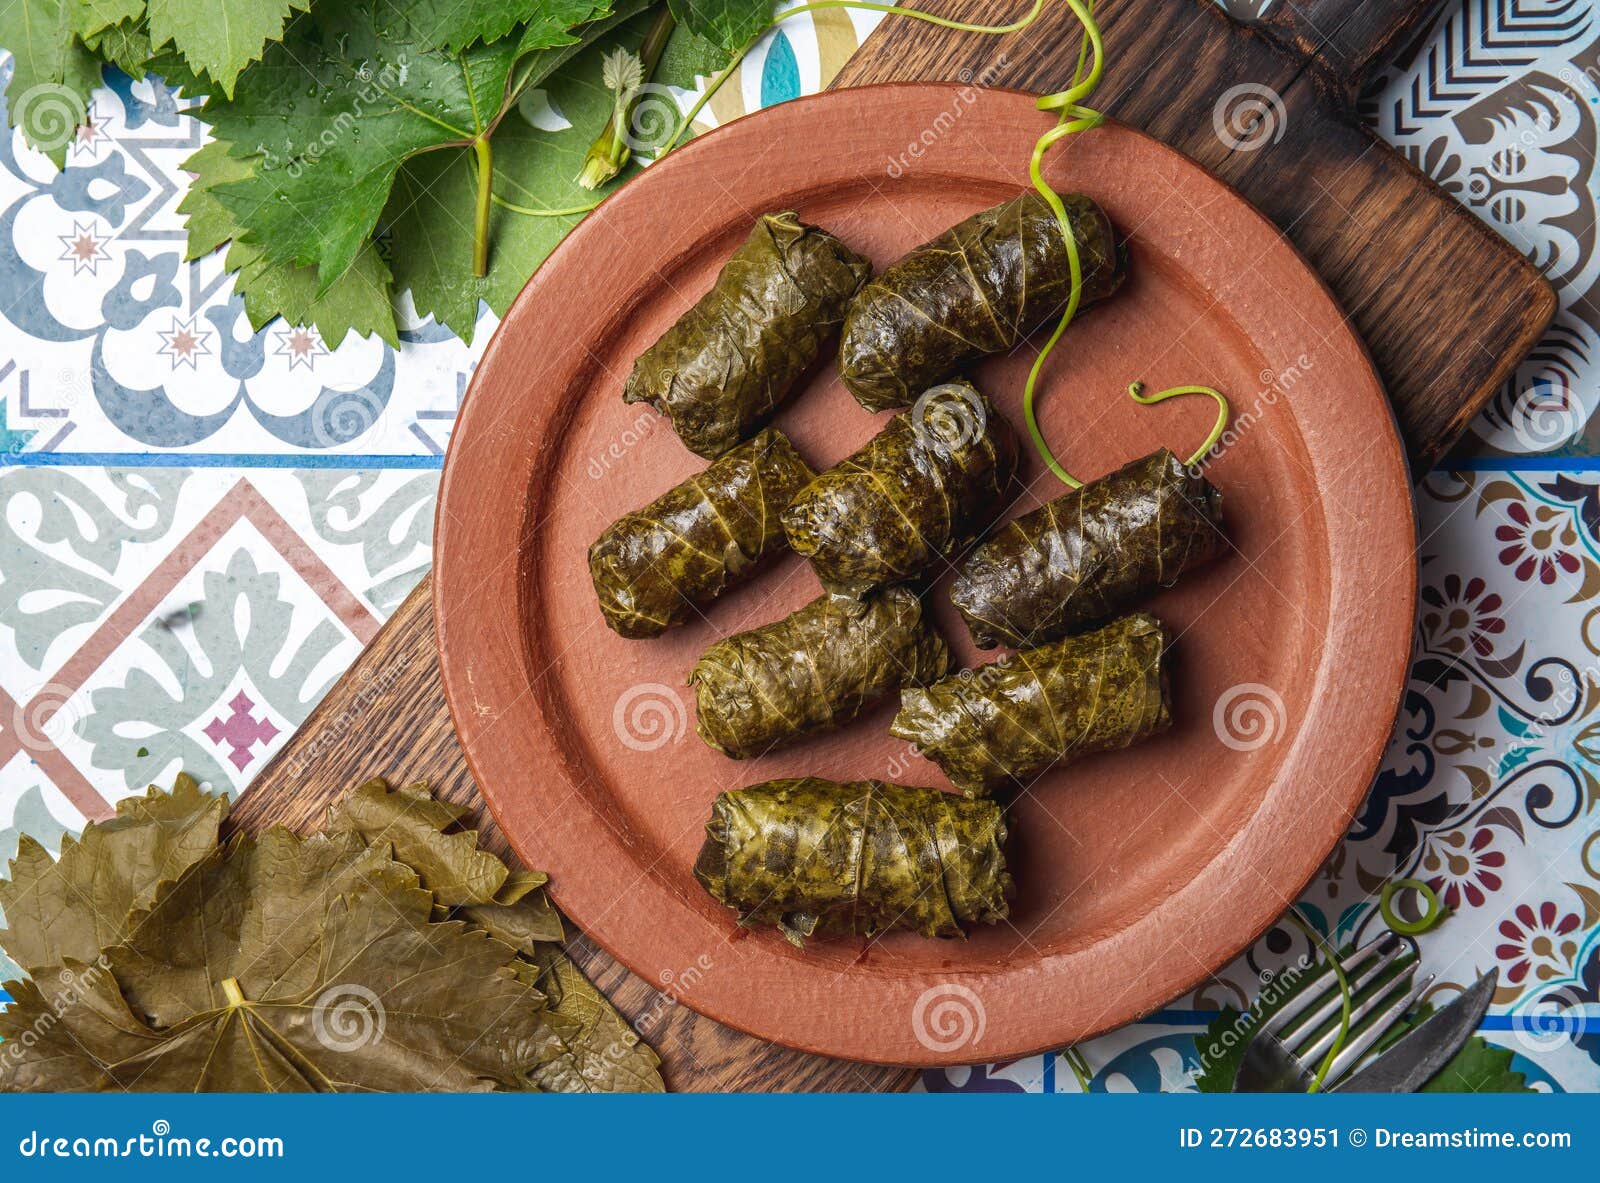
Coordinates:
(331, 114)
(360, 300)
(93, 16)
(219, 38)
(125, 45)
(1479, 1067)
(688, 58)
(431, 209)
(727, 23)
(545, 23)
(52, 74)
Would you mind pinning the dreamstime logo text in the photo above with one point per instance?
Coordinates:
(49, 114)
(1248, 716)
(46, 715)
(649, 716)
(348, 1017)
(951, 417)
(948, 1017)
(1545, 414)
(971, 90)
(1549, 1022)
(1249, 116)
(636, 432)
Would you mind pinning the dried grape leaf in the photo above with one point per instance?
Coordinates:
(724, 367)
(817, 857)
(1001, 724)
(72, 907)
(600, 1053)
(286, 963)
(655, 567)
(916, 492)
(978, 288)
(814, 670)
(1089, 554)
(422, 830)
(372, 998)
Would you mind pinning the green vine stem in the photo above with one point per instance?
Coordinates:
(1136, 393)
(480, 216)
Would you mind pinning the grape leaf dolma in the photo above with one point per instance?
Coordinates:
(652, 568)
(920, 489)
(1084, 557)
(814, 670)
(818, 858)
(722, 369)
(1003, 723)
(978, 288)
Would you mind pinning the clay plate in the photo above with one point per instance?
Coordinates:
(1138, 873)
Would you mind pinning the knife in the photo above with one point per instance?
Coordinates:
(1411, 1061)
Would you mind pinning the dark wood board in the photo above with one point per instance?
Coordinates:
(1447, 308)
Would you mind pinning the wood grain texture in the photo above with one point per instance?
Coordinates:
(1447, 308)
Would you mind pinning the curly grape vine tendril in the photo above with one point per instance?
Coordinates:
(1136, 392)
(1345, 998)
(1072, 116)
(1435, 912)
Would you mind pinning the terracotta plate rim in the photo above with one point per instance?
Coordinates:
(474, 615)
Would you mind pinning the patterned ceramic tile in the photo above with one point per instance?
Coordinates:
(200, 525)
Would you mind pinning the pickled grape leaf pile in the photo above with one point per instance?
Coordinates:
(978, 288)
(351, 960)
(654, 567)
(814, 670)
(816, 857)
(722, 369)
(1001, 724)
(918, 491)
(1089, 554)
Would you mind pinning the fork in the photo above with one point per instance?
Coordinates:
(1284, 1055)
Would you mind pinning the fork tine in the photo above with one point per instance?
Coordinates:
(1350, 1055)
(1395, 989)
(1296, 1007)
(1335, 997)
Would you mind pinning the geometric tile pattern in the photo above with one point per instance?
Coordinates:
(201, 525)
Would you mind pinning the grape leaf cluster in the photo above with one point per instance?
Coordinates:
(389, 952)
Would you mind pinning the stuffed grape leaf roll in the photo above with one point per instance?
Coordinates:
(726, 365)
(1003, 723)
(654, 567)
(1090, 554)
(814, 670)
(919, 490)
(978, 288)
(819, 858)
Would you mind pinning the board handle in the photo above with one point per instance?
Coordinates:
(1347, 38)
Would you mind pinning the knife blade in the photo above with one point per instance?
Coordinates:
(1412, 1060)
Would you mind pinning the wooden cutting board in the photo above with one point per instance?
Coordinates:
(1447, 308)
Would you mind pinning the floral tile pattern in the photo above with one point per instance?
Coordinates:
(201, 525)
